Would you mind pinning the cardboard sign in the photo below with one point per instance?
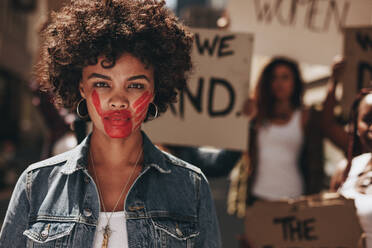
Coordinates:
(358, 71)
(308, 30)
(318, 221)
(207, 112)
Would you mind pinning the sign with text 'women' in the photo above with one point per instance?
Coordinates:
(207, 111)
(306, 30)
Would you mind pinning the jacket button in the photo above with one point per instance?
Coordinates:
(45, 232)
(87, 212)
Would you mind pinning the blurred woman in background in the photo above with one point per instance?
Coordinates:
(355, 180)
(285, 155)
(285, 140)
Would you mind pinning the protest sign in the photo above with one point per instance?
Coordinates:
(358, 69)
(318, 221)
(309, 31)
(207, 112)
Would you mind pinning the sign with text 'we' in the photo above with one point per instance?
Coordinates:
(207, 111)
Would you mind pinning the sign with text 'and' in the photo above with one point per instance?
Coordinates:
(207, 111)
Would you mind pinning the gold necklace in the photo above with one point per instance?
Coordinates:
(106, 229)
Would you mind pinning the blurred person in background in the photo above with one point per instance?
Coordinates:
(354, 180)
(118, 63)
(285, 155)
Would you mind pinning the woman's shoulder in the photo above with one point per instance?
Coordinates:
(359, 163)
(184, 168)
(57, 160)
(362, 157)
(179, 163)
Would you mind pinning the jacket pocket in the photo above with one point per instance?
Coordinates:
(175, 233)
(49, 234)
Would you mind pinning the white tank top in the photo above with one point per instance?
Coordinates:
(363, 202)
(278, 174)
(118, 226)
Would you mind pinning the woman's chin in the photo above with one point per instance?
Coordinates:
(118, 133)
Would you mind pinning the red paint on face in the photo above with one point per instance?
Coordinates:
(143, 105)
(117, 123)
(140, 117)
(96, 102)
(140, 107)
(142, 99)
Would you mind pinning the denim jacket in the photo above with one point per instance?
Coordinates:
(55, 204)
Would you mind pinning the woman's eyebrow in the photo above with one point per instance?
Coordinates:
(97, 75)
(139, 77)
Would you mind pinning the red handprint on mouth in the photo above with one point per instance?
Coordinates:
(120, 123)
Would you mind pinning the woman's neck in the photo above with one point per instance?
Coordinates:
(283, 108)
(110, 152)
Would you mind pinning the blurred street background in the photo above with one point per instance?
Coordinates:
(31, 128)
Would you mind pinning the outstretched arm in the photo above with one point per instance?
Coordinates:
(332, 129)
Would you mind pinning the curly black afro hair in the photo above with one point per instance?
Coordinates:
(84, 30)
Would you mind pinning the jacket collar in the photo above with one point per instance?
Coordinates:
(153, 157)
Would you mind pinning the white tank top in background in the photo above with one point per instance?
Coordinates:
(363, 202)
(278, 174)
(118, 226)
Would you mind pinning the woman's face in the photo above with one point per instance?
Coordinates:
(118, 97)
(365, 122)
(282, 84)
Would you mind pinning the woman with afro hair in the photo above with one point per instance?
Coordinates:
(117, 63)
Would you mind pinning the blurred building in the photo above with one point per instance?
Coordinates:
(15, 59)
(22, 129)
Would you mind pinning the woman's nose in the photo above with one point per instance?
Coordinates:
(119, 102)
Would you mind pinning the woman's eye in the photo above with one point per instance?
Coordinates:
(136, 86)
(101, 85)
(367, 120)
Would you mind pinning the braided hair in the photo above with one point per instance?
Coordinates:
(355, 146)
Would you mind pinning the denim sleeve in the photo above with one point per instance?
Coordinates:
(16, 218)
(209, 236)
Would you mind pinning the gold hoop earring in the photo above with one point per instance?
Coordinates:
(156, 115)
(78, 110)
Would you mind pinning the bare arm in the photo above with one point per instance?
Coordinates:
(250, 107)
(331, 128)
(336, 179)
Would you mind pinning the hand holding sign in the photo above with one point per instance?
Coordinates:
(250, 107)
(358, 70)
(317, 221)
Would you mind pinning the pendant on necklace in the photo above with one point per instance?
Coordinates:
(106, 236)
